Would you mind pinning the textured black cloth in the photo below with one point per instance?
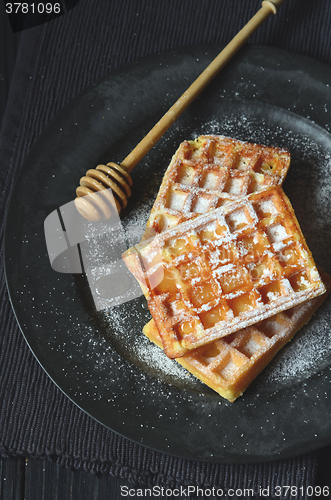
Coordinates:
(55, 62)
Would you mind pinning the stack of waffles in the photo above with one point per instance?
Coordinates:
(225, 268)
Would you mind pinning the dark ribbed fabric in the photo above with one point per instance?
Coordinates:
(55, 62)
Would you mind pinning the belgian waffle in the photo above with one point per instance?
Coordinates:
(229, 365)
(211, 171)
(225, 270)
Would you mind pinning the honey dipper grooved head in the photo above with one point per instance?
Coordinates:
(94, 200)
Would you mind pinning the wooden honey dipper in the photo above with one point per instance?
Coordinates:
(97, 181)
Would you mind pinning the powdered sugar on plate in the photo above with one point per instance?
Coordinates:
(309, 190)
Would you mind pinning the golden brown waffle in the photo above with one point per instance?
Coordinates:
(229, 365)
(225, 270)
(211, 171)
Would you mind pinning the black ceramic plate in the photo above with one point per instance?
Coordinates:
(101, 359)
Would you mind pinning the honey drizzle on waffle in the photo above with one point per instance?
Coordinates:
(262, 266)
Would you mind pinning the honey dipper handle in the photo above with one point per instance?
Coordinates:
(268, 7)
